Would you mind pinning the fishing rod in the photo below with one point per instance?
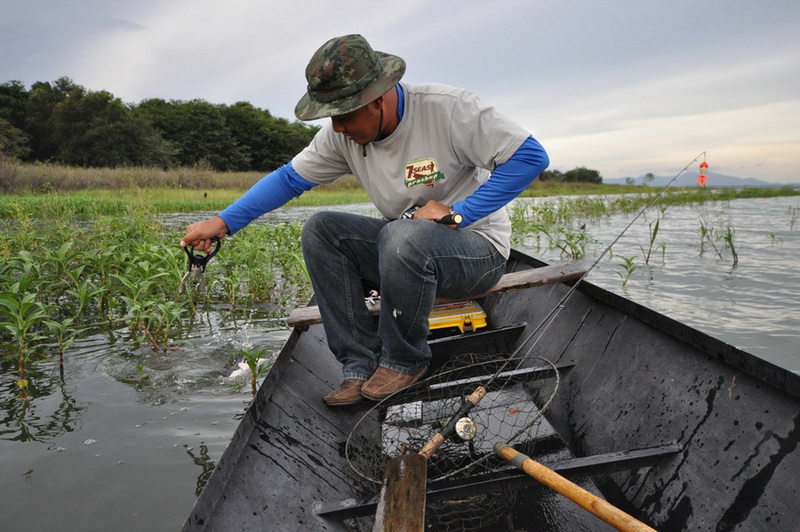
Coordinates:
(395, 483)
(480, 391)
(550, 317)
(449, 428)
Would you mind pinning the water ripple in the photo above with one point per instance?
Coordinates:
(753, 305)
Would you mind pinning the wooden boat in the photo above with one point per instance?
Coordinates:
(678, 429)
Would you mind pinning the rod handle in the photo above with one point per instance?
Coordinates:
(451, 219)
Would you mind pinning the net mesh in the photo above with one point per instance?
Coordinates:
(519, 391)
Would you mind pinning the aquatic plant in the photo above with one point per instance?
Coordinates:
(720, 231)
(254, 359)
(63, 278)
(24, 318)
(551, 220)
(728, 238)
(72, 267)
(653, 234)
(64, 332)
(706, 232)
(794, 214)
(147, 312)
(263, 263)
(628, 267)
(571, 244)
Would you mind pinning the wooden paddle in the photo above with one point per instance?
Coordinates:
(401, 505)
(585, 499)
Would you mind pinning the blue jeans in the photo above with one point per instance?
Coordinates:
(412, 261)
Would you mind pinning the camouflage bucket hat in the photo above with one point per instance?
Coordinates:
(345, 74)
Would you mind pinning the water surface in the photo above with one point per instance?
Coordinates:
(106, 449)
(753, 305)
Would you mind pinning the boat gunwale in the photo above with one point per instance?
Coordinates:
(758, 368)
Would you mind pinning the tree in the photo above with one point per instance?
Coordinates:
(42, 100)
(97, 129)
(551, 175)
(62, 121)
(251, 130)
(13, 99)
(13, 141)
(198, 132)
(581, 174)
(286, 139)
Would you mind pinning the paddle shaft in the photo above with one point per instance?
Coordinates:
(585, 499)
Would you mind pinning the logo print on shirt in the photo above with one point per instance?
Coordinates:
(423, 172)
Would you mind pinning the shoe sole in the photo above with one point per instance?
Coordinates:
(381, 397)
(342, 402)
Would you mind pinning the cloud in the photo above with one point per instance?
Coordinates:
(625, 87)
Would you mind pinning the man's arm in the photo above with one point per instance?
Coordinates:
(272, 191)
(506, 182)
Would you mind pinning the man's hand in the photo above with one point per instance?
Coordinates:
(434, 211)
(200, 235)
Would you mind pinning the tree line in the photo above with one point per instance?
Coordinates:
(63, 122)
(580, 174)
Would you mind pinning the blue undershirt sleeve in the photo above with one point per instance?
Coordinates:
(269, 193)
(505, 183)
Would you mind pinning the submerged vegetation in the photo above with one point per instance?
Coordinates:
(77, 260)
(559, 224)
(60, 279)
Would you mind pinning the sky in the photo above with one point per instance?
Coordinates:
(625, 87)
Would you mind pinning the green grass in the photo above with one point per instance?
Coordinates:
(82, 204)
(99, 202)
(55, 191)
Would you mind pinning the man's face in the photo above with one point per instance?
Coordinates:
(361, 125)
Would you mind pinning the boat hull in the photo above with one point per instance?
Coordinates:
(726, 423)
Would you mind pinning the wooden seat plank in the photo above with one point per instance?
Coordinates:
(558, 273)
(510, 479)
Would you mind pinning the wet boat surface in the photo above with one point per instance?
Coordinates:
(674, 427)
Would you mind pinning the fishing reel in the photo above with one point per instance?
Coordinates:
(465, 430)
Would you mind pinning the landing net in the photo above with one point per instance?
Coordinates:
(520, 390)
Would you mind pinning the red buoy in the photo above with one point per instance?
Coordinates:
(702, 178)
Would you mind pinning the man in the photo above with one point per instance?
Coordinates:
(422, 152)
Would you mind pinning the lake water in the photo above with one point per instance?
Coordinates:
(754, 305)
(102, 450)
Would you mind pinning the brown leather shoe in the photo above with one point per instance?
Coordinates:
(384, 382)
(348, 393)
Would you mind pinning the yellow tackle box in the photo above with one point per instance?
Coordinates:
(466, 316)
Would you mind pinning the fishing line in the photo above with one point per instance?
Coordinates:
(559, 306)
(402, 421)
(551, 316)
